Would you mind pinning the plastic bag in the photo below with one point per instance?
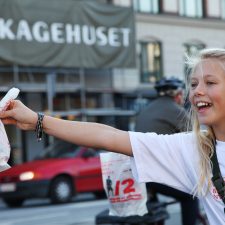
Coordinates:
(4, 148)
(4, 142)
(126, 196)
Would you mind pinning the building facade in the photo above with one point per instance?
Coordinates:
(167, 30)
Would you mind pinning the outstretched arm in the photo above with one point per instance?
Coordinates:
(89, 134)
(81, 133)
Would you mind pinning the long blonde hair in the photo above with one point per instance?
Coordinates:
(205, 138)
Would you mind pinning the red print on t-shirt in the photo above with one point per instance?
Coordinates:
(215, 193)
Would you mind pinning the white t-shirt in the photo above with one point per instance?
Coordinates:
(173, 160)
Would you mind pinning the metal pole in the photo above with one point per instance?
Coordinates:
(15, 74)
(83, 94)
(51, 77)
(51, 82)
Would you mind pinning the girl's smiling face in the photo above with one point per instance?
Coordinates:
(207, 93)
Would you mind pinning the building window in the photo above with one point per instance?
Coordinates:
(223, 9)
(170, 6)
(151, 61)
(126, 3)
(146, 6)
(191, 49)
(214, 9)
(191, 8)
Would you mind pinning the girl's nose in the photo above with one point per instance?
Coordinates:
(200, 89)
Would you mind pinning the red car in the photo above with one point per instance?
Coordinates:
(61, 172)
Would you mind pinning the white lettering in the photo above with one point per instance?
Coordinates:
(101, 35)
(5, 31)
(61, 33)
(125, 39)
(89, 37)
(23, 31)
(40, 32)
(113, 37)
(57, 33)
(73, 34)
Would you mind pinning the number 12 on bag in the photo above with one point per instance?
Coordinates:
(126, 196)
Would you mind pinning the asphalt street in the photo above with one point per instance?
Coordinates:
(82, 211)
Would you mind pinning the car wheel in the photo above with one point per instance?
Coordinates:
(15, 202)
(61, 190)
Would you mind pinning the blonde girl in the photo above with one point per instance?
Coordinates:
(183, 160)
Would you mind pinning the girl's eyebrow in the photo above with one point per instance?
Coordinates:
(208, 75)
(203, 75)
(193, 78)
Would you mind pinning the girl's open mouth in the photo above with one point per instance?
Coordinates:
(202, 106)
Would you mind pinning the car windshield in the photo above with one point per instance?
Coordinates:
(60, 149)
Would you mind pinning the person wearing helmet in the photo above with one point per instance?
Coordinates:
(165, 115)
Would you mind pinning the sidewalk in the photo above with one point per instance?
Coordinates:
(175, 216)
(173, 210)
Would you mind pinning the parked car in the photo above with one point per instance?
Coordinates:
(61, 172)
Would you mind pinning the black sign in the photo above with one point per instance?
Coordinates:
(68, 33)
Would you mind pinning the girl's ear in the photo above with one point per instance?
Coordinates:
(179, 99)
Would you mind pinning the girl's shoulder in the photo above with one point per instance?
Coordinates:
(181, 139)
(185, 138)
(188, 135)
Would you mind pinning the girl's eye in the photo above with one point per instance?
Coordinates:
(193, 85)
(210, 82)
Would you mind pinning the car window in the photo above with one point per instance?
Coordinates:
(60, 149)
(63, 149)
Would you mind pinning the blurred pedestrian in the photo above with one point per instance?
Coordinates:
(165, 115)
(182, 160)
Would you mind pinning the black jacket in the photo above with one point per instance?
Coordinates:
(162, 116)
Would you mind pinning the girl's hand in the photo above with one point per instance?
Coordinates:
(18, 114)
